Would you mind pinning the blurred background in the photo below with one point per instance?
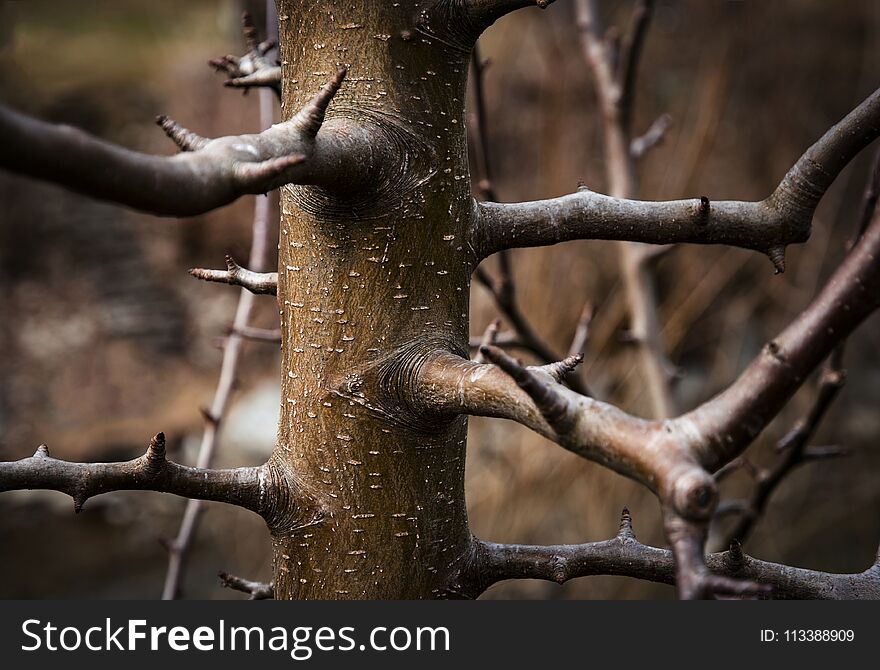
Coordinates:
(105, 339)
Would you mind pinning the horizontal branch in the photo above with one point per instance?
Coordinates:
(209, 174)
(658, 453)
(256, 590)
(261, 283)
(625, 556)
(769, 225)
(674, 457)
(244, 487)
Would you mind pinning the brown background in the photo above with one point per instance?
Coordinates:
(105, 339)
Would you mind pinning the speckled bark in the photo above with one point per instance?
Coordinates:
(371, 278)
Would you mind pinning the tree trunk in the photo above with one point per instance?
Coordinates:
(372, 277)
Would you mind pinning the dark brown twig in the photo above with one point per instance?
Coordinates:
(256, 590)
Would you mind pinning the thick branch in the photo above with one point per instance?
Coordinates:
(783, 218)
(673, 457)
(624, 555)
(303, 150)
(658, 453)
(244, 487)
(261, 283)
(729, 422)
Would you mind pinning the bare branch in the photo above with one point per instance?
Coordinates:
(624, 555)
(673, 457)
(178, 548)
(630, 55)
(258, 67)
(503, 292)
(794, 445)
(582, 330)
(783, 218)
(489, 336)
(653, 136)
(261, 283)
(244, 487)
(614, 78)
(210, 174)
(256, 590)
(259, 334)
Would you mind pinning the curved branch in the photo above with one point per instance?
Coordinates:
(213, 173)
(244, 487)
(261, 283)
(725, 425)
(673, 457)
(769, 225)
(625, 556)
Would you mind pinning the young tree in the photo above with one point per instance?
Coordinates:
(379, 235)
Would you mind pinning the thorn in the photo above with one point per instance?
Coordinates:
(168, 544)
(561, 368)
(625, 531)
(703, 211)
(78, 502)
(582, 186)
(186, 140)
(42, 452)
(311, 117)
(777, 257)
(549, 401)
(735, 553)
(231, 265)
(156, 453)
(559, 569)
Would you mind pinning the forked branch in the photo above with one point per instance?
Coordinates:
(261, 283)
(258, 67)
(244, 487)
(211, 173)
(768, 225)
(624, 555)
(674, 457)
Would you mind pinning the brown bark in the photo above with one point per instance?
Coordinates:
(364, 492)
(368, 284)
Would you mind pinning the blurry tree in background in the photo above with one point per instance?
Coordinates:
(105, 340)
